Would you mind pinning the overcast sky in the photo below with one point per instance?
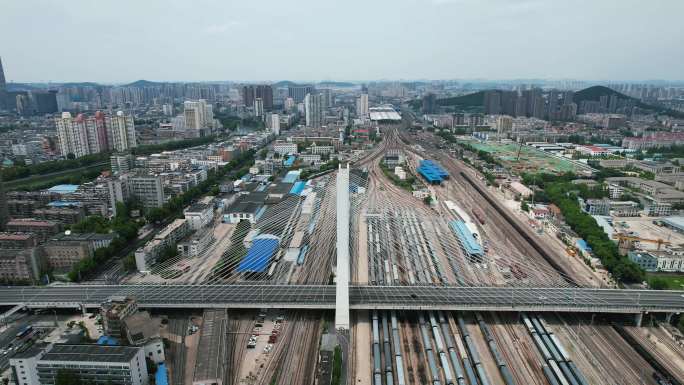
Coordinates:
(194, 40)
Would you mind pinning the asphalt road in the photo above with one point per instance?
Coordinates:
(361, 297)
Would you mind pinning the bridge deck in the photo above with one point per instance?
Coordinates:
(360, 297)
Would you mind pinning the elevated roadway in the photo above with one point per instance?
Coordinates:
(360, 297)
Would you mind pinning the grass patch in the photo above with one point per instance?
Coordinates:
(406, 184)
(666, 281)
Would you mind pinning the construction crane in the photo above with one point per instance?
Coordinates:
(625, 242)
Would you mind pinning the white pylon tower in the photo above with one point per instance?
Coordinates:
(342, 270)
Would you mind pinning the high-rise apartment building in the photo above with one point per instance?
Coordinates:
(122, 128)
(504, 124)
(275, 124)
(258, 107)
(148, 189)
(99, 136)
(198, 114)
(46, 102)
(328, 99)
(552, 112)
(72, 134)
(84, 135)
(263, 91)
(492, 102)
(3, 87)
(314, 110)
(289, 104)
(298, 93)
(362, 105)
(429, 103)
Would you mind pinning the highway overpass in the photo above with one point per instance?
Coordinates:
(360, 297)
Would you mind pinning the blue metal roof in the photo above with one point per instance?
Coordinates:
(298, 188)
(582, 244)
(467, 240)
(64, 188)
(107, 340)
(291, 176)
(64, 204)
(259, 255)
(259, 213)
(431, 171)
(289, 161)
(161, 377)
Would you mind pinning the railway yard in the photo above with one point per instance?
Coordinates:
(462, 236)
(400, 240)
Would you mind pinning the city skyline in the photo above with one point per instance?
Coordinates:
(439, 39)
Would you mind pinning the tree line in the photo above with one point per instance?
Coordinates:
(561, 192)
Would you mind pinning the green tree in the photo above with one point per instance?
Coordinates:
(427, 200)
(129, 263)
(524, 206)
(658, 283)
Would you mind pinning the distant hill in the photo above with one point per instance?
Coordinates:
(594, 93)
(284, 83)
(81, 84)
(143, 83)
(470, 100)
(336, 84)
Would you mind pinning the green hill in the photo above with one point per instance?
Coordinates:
(470, 100)
(594, 93)
(144, 83)
(284, 83)
(336, 84)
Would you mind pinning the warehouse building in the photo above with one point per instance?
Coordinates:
(432, 171)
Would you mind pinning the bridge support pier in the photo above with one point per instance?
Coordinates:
(342, 268)
(638, 318)
(668, 317)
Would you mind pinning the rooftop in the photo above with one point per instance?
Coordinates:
(33, 351)
(259, 255)
(244, 207)
(64, 188)
(383, 113)
(30, 222)
(94, 353)
(675, 222)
